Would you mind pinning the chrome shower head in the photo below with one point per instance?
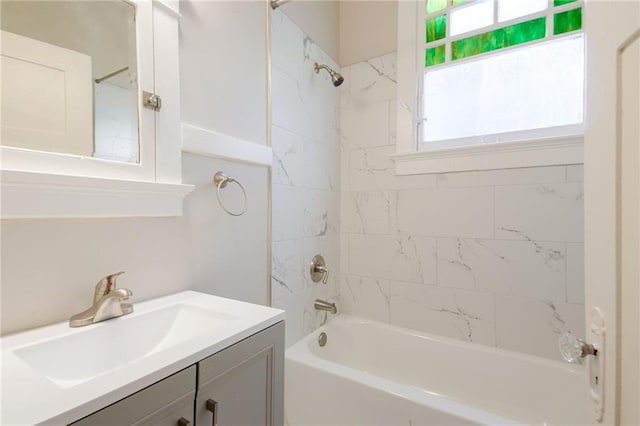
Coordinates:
(277, 3)
(336, 78)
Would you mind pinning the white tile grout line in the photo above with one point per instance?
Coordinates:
(494, 212)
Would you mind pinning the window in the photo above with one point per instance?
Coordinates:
(494, 75)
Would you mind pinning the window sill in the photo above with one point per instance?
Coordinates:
(505, 155)
(46, 195)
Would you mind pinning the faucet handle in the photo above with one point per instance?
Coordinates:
(318, 269)
(105, 285)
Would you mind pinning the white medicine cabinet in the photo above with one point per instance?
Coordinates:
(90, 109)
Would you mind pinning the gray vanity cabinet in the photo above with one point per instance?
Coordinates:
(243, 384)
(166, 403)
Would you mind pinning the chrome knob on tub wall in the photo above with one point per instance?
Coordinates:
(318, 269)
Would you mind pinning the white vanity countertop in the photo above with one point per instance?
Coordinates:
(43, 383)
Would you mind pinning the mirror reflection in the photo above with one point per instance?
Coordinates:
(69, 78)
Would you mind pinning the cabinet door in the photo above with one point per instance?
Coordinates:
(243, 385)
(162, 404)
(47, 99)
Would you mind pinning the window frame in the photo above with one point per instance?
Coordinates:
(522, 149)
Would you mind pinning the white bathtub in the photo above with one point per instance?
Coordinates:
(371, 373)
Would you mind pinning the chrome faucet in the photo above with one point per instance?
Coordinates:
(107, 303)
(321, 305)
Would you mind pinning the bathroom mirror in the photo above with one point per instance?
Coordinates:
(70, 78)
(90, 109)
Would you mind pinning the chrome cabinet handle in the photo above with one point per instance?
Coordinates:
(212, 406)
(183, 422)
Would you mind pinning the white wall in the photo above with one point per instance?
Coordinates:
(349, 31)
(222, 67)
(306, 181)
(367, 29)
(228, 253)
(49, 267)
(319, 19)
(492, 257)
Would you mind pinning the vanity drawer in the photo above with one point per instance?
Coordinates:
(163, 403)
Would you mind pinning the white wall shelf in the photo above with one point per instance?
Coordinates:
(45, 195)
(196, 140)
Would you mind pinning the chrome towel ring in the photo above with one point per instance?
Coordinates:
(220, 180)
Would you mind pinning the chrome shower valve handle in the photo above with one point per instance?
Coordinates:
(318, 269)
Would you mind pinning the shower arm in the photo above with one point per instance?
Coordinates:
(317, 68)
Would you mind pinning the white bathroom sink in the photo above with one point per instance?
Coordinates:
(73, 359)
(74, 372)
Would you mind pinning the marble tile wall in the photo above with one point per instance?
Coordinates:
(305, 176)
(491, 257)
